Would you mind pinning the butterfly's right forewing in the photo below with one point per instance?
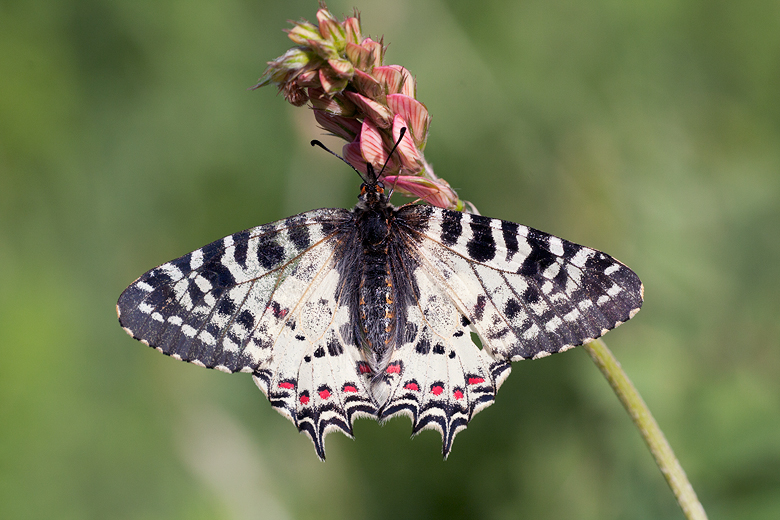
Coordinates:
(527, 293)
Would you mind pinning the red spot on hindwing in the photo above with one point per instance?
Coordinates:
(412, 386)
(324, 394)
(277, 310)
(350, 388)
(458, 394)
(437, 389)
(394, 368)
(476, 380)
(304, 399)
(287, 385)
(363, 367)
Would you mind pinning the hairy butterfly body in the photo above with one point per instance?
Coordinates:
(340, 314)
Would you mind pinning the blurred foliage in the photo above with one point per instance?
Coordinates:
(650, 130)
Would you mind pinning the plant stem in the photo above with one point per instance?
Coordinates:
(651, 433)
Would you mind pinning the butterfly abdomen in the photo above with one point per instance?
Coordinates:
(377, 309)
(377, 300)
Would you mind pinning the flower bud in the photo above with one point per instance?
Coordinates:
(360, 57)
(331, 83)
(342, 68)
(376, 49)
(352, 29)
(287, 67)
(337, 105)
(344, 127)
(331, 30)
(294, 94)
(303, 33)
(309, 78)
(378, 113)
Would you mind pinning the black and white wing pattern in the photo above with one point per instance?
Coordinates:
(525, 293)
(263, 301)
(373, 312)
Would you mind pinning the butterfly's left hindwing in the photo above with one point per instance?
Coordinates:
(313, 376)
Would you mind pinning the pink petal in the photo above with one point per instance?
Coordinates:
(414, 113)
(410, 157)
(351, 153)
(367, 85)
(389, 77)
(378, 113)
(439, 195)
(372, 145)
(342, 68)
(406, 184)
(409, 87)
(396, 79)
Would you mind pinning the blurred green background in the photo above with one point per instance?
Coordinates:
(650, 130)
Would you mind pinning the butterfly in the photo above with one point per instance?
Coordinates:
(380, 310)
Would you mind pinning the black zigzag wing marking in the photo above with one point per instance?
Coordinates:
(214, 306)
(527, 293)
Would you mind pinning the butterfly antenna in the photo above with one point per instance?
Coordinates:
(318, 143)
(370, 167)
(398, 142)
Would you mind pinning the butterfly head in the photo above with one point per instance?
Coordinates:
(372, 191)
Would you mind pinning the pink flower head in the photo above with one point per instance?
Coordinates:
(357, 97)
